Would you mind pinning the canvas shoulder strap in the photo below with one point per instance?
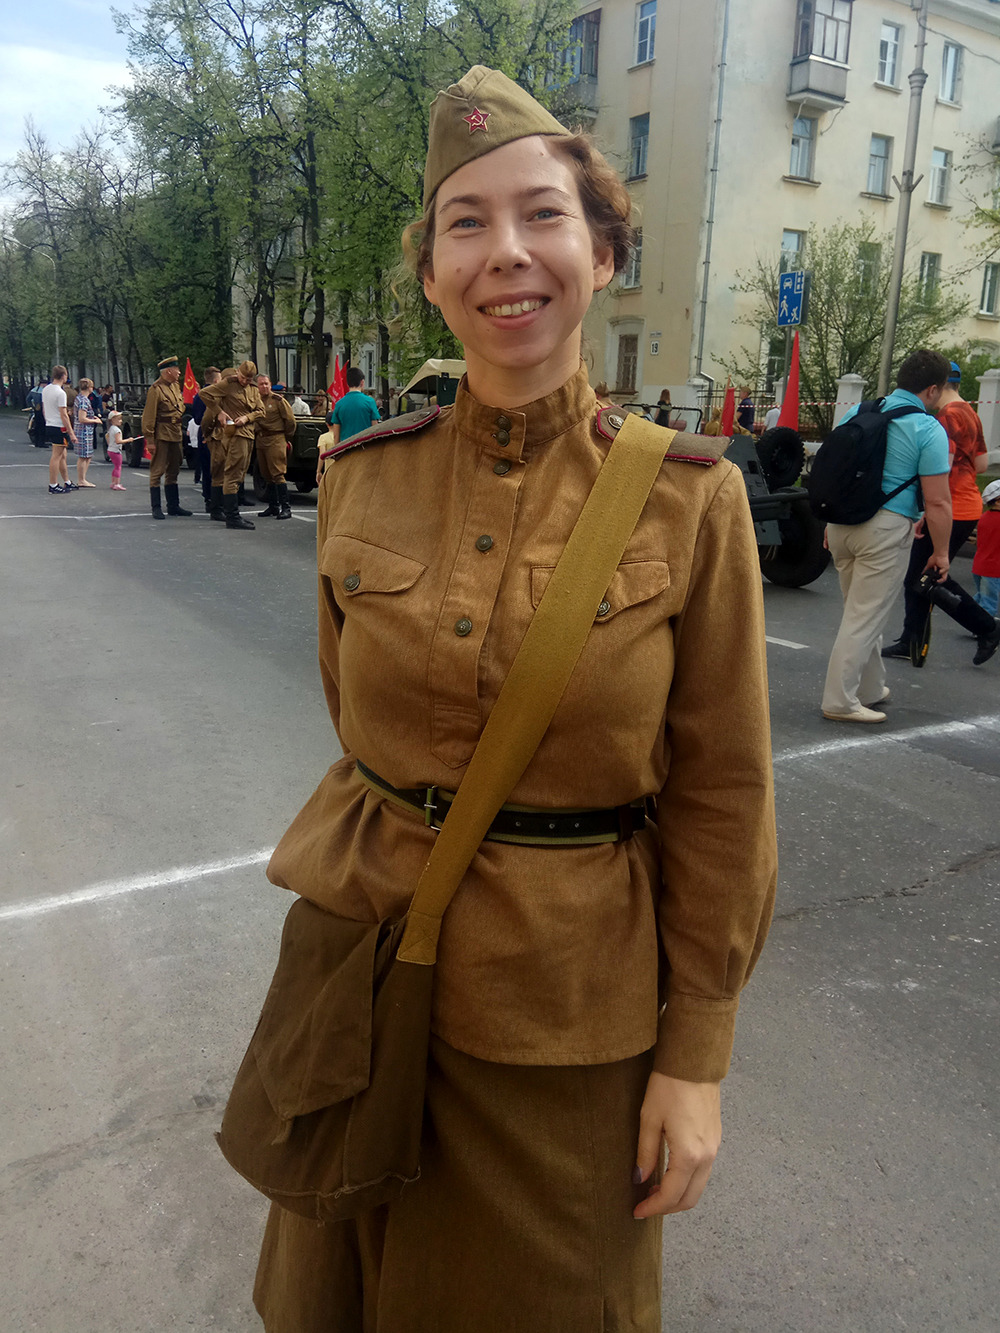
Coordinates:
(540, 672)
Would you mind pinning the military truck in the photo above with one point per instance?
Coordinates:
(789, 536)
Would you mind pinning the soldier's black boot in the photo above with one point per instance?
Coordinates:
(154, 502)
(234, 519)
(174, 501)
(243, 500)
(284, 508)
(272, 506)
(215, 505)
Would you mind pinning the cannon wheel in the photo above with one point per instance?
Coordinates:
(801, 558)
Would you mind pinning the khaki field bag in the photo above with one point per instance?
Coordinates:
(326, 1111)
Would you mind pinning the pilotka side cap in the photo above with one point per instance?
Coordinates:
(483, 111)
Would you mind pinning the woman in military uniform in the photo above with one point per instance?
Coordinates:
(585, 994)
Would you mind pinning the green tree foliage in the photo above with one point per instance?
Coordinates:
(851, 265)
(271, 153)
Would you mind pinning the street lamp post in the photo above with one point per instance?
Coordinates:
(55, 283)
(906, 186)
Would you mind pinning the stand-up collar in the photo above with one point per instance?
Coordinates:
(531, 425)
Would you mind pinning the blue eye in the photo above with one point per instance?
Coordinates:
(545, 213)
(466, 224)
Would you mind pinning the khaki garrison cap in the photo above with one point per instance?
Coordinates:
(483, 111)
(166, 363)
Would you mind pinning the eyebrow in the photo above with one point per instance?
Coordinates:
(476, 200)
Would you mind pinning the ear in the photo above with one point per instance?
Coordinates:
(429, 285)
(604, 266)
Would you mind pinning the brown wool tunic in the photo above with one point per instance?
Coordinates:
(277, 424)
(236, 400)
(434, 550)
(161, 416)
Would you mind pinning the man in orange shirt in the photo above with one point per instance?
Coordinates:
(968, 457)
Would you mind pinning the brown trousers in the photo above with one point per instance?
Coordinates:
(272, 457)
(166, 464)
(217, 452)
(237, 456)
(521, 1221)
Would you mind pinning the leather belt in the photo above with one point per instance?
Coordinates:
(527, 825)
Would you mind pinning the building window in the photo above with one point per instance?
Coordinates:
(581, 55)
(793, 244)
(930, 275)
(803, 136)
(632, 276)
(645, 37)
(628, 362)
(869, 266)
(879, 155)
(951, 73)
(888, 54)
(823, 28)
(989, 302)
(638, 145)
(940, 175)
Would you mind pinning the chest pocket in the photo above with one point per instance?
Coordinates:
(632, 583)
(357, 568)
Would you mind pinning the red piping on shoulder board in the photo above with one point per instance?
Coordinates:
(609, 432)
(381, 433)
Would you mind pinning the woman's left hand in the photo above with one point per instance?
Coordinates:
(689, 1117)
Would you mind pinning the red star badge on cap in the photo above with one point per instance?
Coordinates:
(477, 121)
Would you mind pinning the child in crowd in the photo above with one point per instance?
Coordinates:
(115, 443)
(986, 562)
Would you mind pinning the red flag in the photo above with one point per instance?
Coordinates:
(190, 384)
(341, 380)
(728, 410)
(333, 391)
(790, 407)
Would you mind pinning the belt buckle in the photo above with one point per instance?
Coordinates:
(430, 806)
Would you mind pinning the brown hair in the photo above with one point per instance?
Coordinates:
(607, 207)
(921, 370)
(85, 383)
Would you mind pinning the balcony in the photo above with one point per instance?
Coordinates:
(816, 82)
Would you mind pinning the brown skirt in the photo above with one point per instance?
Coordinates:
(521, 1220)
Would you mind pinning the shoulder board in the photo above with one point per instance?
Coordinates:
(386, 430)
(683, 447)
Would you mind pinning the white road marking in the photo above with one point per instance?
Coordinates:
(305, 518)
(784, 643)
(81, 518)
(115, 888)
(878, 735)
(39, 462)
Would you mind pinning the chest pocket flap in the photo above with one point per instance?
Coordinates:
(634, 581)
(354, 567)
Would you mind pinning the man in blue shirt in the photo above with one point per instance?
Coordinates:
(352, 414)
(871, 557)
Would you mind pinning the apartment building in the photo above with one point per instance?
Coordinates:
(802, 122)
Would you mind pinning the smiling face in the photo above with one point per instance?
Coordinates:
(513, 269)
(263, 386)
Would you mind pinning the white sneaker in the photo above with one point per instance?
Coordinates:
(884, 697)
(859, 715)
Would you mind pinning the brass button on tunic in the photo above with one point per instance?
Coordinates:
(549, 956)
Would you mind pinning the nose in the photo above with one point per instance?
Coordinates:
(509, 250)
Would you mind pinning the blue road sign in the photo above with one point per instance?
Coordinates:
(792, 289)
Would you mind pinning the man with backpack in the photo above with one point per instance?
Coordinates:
(866, 482)
(968, 459)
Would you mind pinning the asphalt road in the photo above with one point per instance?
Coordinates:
(162, 721)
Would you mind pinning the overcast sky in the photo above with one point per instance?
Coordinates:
(57, 60)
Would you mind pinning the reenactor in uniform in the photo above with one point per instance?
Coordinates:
(161, 425)
(274, 434)
(233, 406)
